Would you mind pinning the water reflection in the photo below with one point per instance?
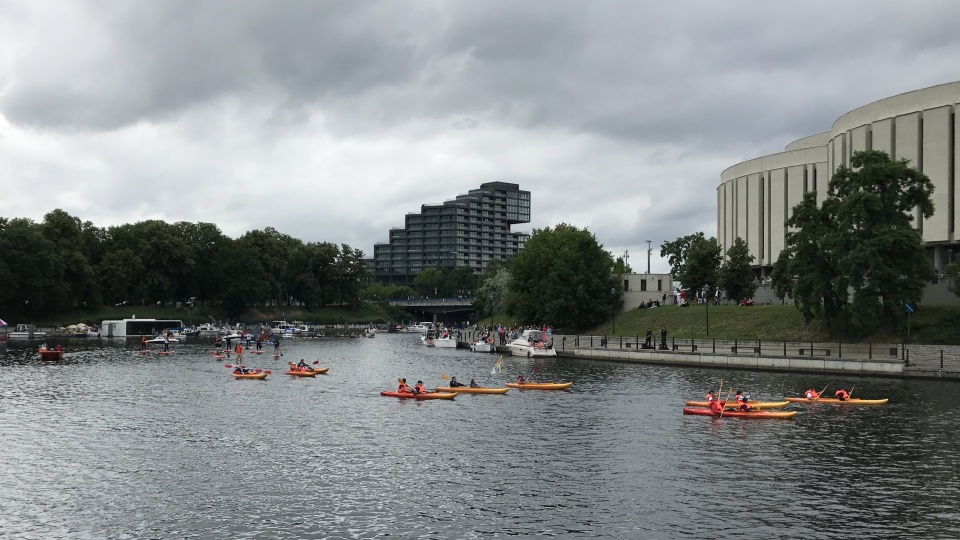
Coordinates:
(111, 444)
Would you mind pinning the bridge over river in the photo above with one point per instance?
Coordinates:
(447, 310)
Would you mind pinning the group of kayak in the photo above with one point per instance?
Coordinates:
(742, 407)
(418, 391)
(300, 369)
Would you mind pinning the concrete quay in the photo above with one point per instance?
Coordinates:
(848, 366)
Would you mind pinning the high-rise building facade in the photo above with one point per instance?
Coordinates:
(471, 230)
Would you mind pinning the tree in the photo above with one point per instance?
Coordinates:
(429, 282)
(621, 267)
(702, 263)
(562, 277)
(859, 253)
(676, 252)
(491, 297)
(736, 274)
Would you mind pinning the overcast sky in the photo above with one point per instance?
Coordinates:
(331, 120)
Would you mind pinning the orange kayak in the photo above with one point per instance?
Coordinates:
(301, 373)
(424, 395)
(740, 414)
(540, 386)
(260, 376)
(468, 390)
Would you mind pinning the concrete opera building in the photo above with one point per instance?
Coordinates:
(756, 197)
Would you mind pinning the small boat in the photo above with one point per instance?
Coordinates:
(161, 339)
(532, 343)
(483, 346)
(321, 370)
(739, 414)
(299, 373)
(752, 404)
(540, 386)
(835, 401)
(50, 355)
(262, 375)
(421, 396)
(469, 390)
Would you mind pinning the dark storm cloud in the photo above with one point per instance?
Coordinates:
(332, 120)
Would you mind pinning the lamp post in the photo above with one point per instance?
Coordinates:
(649, 251)
(613, 291)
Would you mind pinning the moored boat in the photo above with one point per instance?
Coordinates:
(739, 414)
(540, 386)
(752, 404)
(422, 395)
(469, 390)
(835, 401)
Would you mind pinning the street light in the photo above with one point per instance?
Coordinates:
(613, 291)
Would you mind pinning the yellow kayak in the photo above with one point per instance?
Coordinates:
(468, 390)
(540, 386)
(732, 404)
(835, 401)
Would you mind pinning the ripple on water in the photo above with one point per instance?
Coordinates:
(112, 445)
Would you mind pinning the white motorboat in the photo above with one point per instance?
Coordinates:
(284, 328)
(163, 339)
(208, 330)
(532, 343)
(431, 340)
(422, 327)
(483, 346)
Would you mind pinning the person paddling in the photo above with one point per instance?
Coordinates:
(402, 386)
(473, 383)
(522, 378)
(454, 383)
(143, 342)
(710, 397)
(842, 394)
(418, 388)
(811, 394)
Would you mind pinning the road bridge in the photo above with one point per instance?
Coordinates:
(447, 310)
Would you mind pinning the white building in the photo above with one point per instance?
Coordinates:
(756, 197)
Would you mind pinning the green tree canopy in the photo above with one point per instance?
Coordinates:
(562, 277)
(859, 251)
(736, 273)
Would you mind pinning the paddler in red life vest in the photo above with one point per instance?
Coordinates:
(239, 350)
(717, 406)
(143, 342)
(811, 394)
(402, 386)
(418, 388)
(842, 394)
(710, 397)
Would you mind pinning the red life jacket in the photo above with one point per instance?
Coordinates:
(842, 394)
(418, 389)
(710, 397)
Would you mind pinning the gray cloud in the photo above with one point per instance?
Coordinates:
(331, 120)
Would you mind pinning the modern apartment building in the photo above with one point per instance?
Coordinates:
(471, 230)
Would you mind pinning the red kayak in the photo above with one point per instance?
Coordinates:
(423, 395)
(740, 414)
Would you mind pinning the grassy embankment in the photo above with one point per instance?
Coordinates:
(932, 324)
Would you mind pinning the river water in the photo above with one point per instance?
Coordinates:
(109, 444)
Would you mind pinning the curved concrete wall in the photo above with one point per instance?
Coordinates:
(756, 197)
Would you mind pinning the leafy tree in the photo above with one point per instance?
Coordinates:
(859, 252)
(620, 267)
(67, 235)
(736, 274)
(562, 277)
(491, 297)
(702, 263)
(31, 269)
(429, 282)
(676, 252)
